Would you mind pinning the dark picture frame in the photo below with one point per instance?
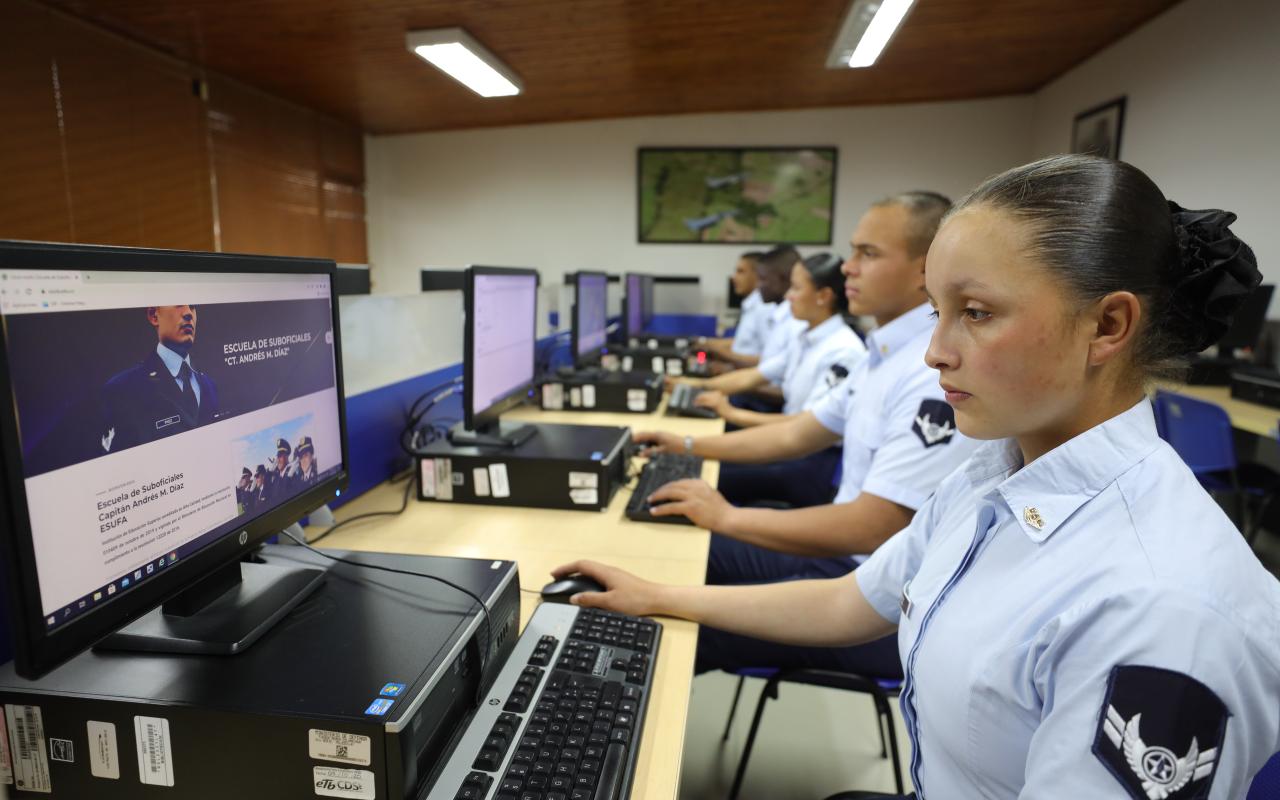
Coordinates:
(726, 206)
(1097, 131)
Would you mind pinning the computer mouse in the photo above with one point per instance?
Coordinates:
(560, 591)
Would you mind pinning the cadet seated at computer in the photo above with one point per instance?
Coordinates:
(753, 314)
(1077, 616)
(899, 442)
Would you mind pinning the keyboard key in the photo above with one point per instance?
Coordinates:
(487, 760)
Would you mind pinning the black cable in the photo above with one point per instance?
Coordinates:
(403, 505)
(488, 621)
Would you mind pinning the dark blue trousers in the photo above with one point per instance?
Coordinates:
(800, 483)
(733, 562)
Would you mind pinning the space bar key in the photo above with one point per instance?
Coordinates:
(615, 759)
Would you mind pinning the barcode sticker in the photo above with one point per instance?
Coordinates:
(498, 480)
(155, 756)
(553, 396)
(575, 396)
(637, 399)
(584, 480)
(104, 753)
(348, 748)
(589, 395)
(627, 363)
(656, 363)
(444, 479)
(6, 762)
(27, 744)
(480, 477)
(427, 480)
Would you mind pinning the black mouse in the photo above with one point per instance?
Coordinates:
(560, 591)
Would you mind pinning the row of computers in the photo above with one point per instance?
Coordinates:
(167, 414)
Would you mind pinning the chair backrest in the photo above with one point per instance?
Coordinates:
(1266, 784)
(1199, 431)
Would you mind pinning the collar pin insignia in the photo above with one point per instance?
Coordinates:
(1032, 517)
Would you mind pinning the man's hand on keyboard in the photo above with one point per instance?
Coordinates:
(713, 399)
(626, 593)
(659, 442)
(704, 506)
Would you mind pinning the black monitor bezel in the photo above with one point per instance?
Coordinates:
(1248, 320)
(475, 420)
(575, 335)
(37, 650)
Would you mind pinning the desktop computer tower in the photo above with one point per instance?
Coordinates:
(599, 390)
(359, 692)
(574, 467)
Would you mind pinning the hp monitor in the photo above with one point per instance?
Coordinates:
(633, 305)
(1246, 325)
(164, 413)
(590, 317)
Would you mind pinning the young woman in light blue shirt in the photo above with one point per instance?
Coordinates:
(1076, 616)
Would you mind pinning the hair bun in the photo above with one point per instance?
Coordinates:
(1217, 271)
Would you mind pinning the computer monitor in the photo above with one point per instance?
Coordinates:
(498, 354)
(633, 305)
(164, 413)
(590, 317)
(1246, 324)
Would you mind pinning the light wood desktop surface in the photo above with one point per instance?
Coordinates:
(1251, 417)
(541, 539)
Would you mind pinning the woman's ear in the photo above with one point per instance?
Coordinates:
(1115, 320)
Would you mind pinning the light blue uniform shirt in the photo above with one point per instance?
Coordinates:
(753, 324)
(817, 361)
(1017, 591)
(782, 328)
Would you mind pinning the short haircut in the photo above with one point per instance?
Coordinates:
(779, 260)
(753, 256)
(926, 210)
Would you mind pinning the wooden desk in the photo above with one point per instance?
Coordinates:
(540, 539)
(1251, 417)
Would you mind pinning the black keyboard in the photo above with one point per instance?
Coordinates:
(680, 403)
(660, 470)
(564, 716)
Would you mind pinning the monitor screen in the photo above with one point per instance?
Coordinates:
(634, 301)
(591, 315)
(647, 304)
(1247, 322)
(503, 336)
(158, 413)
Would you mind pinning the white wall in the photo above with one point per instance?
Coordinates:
(562, 197)
(1203, 112)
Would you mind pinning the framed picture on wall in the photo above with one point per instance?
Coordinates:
(1097, 131)
(766, 195)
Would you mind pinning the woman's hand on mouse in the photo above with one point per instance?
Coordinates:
(694, 498)
(623, 591)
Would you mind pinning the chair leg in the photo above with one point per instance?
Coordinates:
(733, 709)
(882, 715)
(769, 692)
(893, 747)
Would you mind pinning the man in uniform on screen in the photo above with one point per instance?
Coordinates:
(244, 493)
(163, 394)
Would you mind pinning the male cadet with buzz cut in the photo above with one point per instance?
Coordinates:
(243, 492)
(280, 480)
(163, 394)
(306, 474)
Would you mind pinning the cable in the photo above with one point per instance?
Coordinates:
(488, 621)
(403, 505)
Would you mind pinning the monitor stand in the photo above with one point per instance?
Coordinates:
(497, 434)
(222, 614)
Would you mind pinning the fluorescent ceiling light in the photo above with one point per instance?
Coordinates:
(454, 52)
(867, 28)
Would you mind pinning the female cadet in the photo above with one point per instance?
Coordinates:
(820, 354)
(1076, 616)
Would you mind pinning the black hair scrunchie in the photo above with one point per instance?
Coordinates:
(1218, 271)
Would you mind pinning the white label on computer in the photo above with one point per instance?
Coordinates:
(26, 740)
(498, 480)
(351, 783)
(444, 479)
(553, 396)
(584, 480)
(584, 497)
(575, 397)
(6, 761)
(653, 344)
(674, 367)
(348, 748)
(427, 480)
(155, 755)
(627, 361)
(589, 396)
(480, 477)
(637, 399)
(104, 753)
(656, 363)
(682, 343)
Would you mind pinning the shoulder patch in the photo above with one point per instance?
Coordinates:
(1160, 733)
(934, 423)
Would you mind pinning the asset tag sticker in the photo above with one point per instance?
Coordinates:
(104, 753)
(637, 399)
(480, 477)
(575, 396)
(427, 480)
(6, 761)
(584, 497)
(350, 783)
(155, 756)
(27, 743)
(553, 396)
(444, 479)
(346, 748)
(498, 480)
(627, 361)
(657, 364)
(589, 395)
(583, 480)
